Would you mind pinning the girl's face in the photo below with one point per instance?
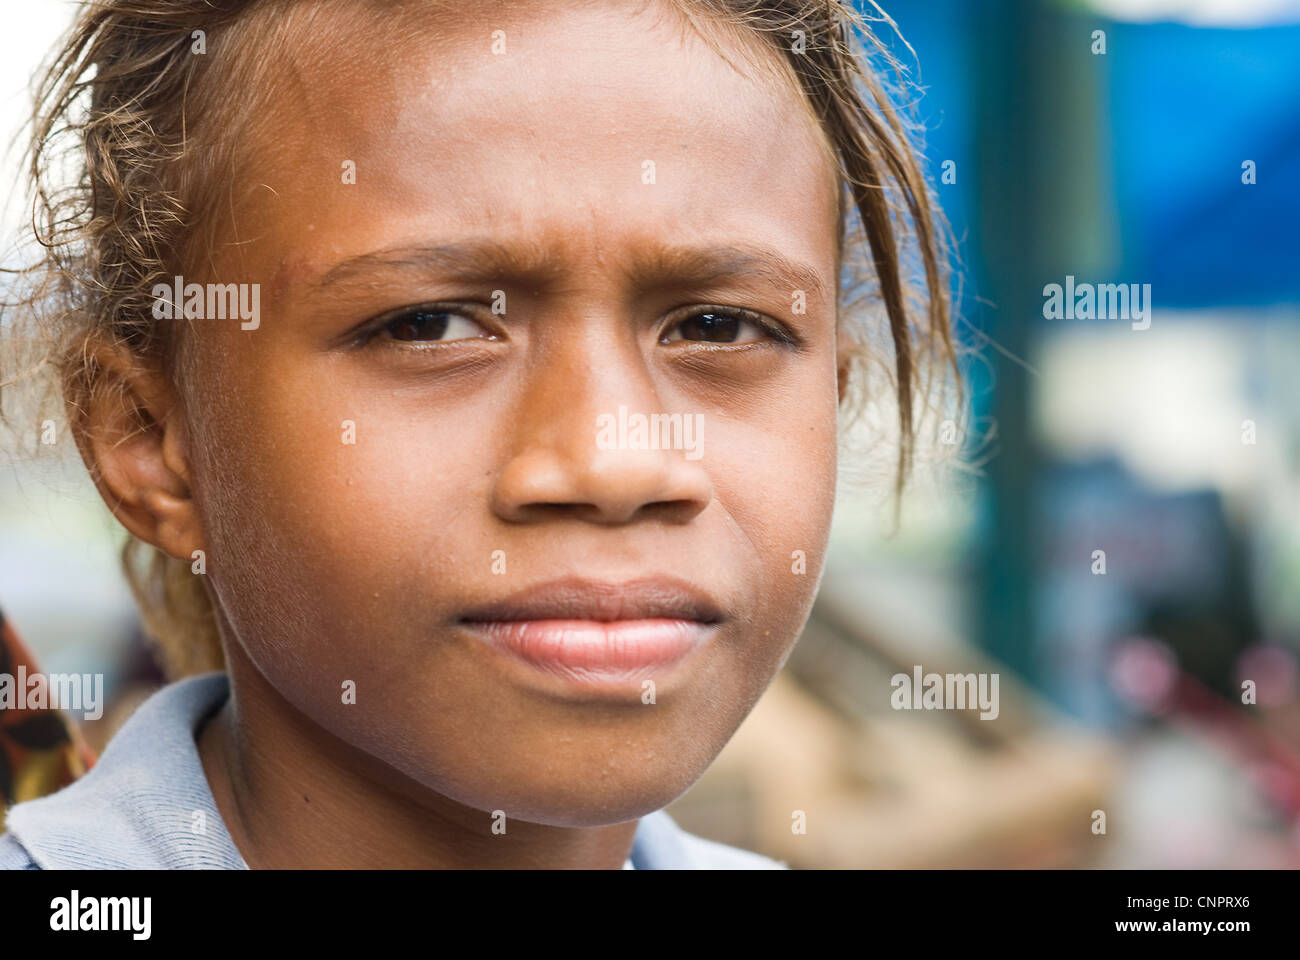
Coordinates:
(537, 616)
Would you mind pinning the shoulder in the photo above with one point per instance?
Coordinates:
(661, 844)
(14, 856)
(144, 804)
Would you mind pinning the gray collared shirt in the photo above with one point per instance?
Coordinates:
(146, 805)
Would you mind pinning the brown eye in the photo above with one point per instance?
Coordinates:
(715, 326)
(432, 324)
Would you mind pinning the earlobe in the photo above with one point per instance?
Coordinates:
(173, 523)
(132, 438)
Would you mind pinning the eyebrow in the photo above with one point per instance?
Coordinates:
(489, 260)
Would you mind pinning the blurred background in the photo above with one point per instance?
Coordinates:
(1115, 141)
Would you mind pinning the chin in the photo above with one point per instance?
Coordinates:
(587, 796)
(594, 803)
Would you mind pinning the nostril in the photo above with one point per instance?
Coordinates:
(559, 473)
(535, 512)
(677, 511)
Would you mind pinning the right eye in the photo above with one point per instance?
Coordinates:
(431, 325)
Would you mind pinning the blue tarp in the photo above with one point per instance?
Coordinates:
(1188, 105)
(1185, 106)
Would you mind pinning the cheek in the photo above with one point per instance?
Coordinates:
(776, 473)
(330, 511)
(775, 477)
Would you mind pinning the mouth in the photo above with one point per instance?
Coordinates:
(599, 633)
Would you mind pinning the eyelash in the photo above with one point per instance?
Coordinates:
(773, 330)
(375, 330)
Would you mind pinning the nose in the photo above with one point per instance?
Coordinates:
(570, 458)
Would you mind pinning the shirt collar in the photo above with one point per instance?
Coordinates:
(146, 803)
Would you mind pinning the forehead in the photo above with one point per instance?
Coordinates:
(589, 128)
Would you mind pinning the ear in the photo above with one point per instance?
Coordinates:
(132, 437)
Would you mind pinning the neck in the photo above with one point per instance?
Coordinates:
(294, 795)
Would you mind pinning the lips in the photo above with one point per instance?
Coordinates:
(597, 632)
(578, 599)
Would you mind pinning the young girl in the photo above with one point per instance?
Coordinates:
(471, 373)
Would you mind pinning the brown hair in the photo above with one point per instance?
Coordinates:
(141, 204)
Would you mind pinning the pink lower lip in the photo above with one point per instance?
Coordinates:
(593, 649)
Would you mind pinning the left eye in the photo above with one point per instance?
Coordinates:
(716, 326)
(430, 323)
